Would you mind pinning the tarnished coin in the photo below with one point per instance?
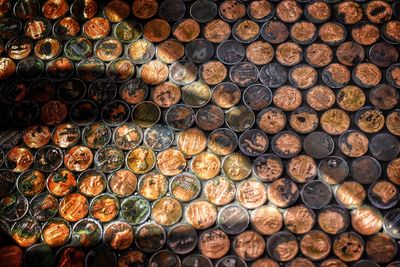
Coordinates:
(393, 75)
(384, 96)
(393, 171)
(200, 260)
(301, 168)
(381, 248)
(299, 219)
(158, 137)
(127, 31)
(203, 10)
(171, 162)
(315, 245)
(348, 246)
(115, 113)
(217, 31)
(351, 98)
(73, 207)
(166, 211)
(335, 121)
(170, 50)
(283, 192)
(336, 75)
(391, 223)
(249, 245)
(282, 246)
(196, 94)
(245, 31)
(365, 170)
(56, 232)
(26, 232)
(390, 31)
(392, 122)
(13, 207)
(266, 220)
(186, 30)
(120, 70)
(303, 32)
(233, 219)
(108, 49)
(153, 185)
(273, 75)
(141, 51)
(268, 167)
(214, 243)
(260, 10)
(86, 233)
(365, 33)
(239, 118)
(259, 52)
(29, 183)
(304, 120)
(320, 97)
(205, 165)
(199, 50)
(370, 119)
(236, 166)
(232, 10)
(150, 237)
(288, 53)
(127, 136)
(96, 135)
(230, 52)
(160, 257)
(61, 182)
(274, 32)
(316, 194)
(318, 54)
(253, 142)
(348, 12)
(303, 76)
(353, 143)
(333, 170)
(109, 159)
(286, 144)
(350, 194)
(383, 54)
(105, 207)
(185, 187)
(184, 72)
(182, 238)
(140, 160)
(333, 219)
(48, 158)
(226, 95)
(367, 75)
(43, 207)
(383, 194)
(384, 147)
(220, 190)
(210, 117)
(66, 135)
(145, 114)
(318, 145)
(135, 210)
(179, 117)
(165, 94)
(271, 120)
(18, 159)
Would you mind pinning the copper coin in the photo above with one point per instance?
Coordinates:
(141, 51)
(73, 207)
(335, 121)
(348, 12)
(230, 52)
(233, 219)
(199, 50)
(210, 117)
(288, 53)
(383, 194)
(251, 194)
(166, 211)
(299, 261)
(127, 31)
(96, 135)
(171, 162)
(246, 31)
(249, 245)
(19, 47)
(56, 232)
(61, 182)
(153, 185)
(320, 97)
(317, 11)
(393, 171)
(367, 75)
(260, 10)
(239, 118)
(220, 190)
(301, 168)
(236, 166)
(205, 165)
(332, 33)
(336, 75)
(158, 137)
(55, 9)
(226, 95)
(150, 237)
(86, 232)
(214, 243)
(318, 54)
(37, 28)
(288, 11)
(201, 214)
(140, 160)
(353, 143)
(8, 67)
(104, 207)
(182, 238)
(350, 53)
(200, 260)
(286, 144)
(36, 136)
(351, 98)
(333, 219)
(166, 94)
(108, 49)
(144, 9)
(232, 10)
(384, 147)
(91, 183)
(186, 30)
(213, 72)
(19, 159)
(122, 183)
(383, 54)
(170, 50)
(29, 183)
(132, 92)
(274, 32)
(185, 187)
(217, 31)
(384, 96)
(287, 98)
(268, 167)
(244, 74)
(370, 119)
(271, 120)
(393, 75)
(66, 28)
(266, 220)
(222, 141)
(365, 33)
(299, 219)
(253, 142)
(145, 114)
(203, 11)
(259, 52)
(26, 232)
(348, 247)
(96, 28)
(84, 10)
(78, 158)
(66, 135)
(303, 32)
(273, 75)
(378, 11)
(333, 170)
(366, 220)
(127, 136)
(303, 76)
(163, 256)
(198, 94)
(179, 117)
(390, 31)
(365, 170)
(350, 195)
(191, 141)
(156, 30)
(381, 248)
(282, 246)
(316, 194)
(60, 68)
(116, 10)
(304, 120)
(283, 192)
(118, 235)
(315, 245)
(154, 72)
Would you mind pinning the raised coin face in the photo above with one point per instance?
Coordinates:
(342, 244)
(185, 187)
(73, 207)
(153, 186)
(166, 211)
(118, 235)
(249, 245)
(282, 246)
(201, 214)
(91, 183)
(171, 162)
(383, 194)
(104, 207)
(333, 219)
(214, 243)
(350, 194)
(220, 190)
(283, 192)
(251, 194)
(56, 232)
(366, 220)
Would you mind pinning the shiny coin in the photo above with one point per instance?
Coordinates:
(201, 214)
(251, 194)
(66, 135)
(239, 118)
(220, 190)
(73, 207)
(333, 219)
(171, 162)
(366, 220)
(170, 50)
(56, 232)
(214, 243)
(91, 183)
(183, 72)
(18, 159)
(205, 165)
(26, 232)
(66, 28)
(153, 186)
(141, 51)
(120, 70)
(282, 246)
(391, 223)
(266, 220)
(140, 160)
(350, 195)
(127, 136)
(78, 158)
(185, 187)
(236, 166)
(86, 233)
(61, 182)
(233, 219)
(36, 136)
(179, 117)
(127, 31)
(186, 30)
(315, 245)
(249, 245)
(383, 194)
(166, 211)
(299, 219)
(158, 137)
(104, 207)
(122, 183)
(118, 235)
(96, 28)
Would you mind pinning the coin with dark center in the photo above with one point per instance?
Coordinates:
(317, 11)
(232, 10)
(333, 170)
(210, 117)
(318, 145)
(233, 219)
(282, 246)
(196, 260)
(226, 95)
(386, 152)
(273, 75)
(199, 50)
(179, 117)
(172, 10)
(203, 10)
(365, 170)
(182, 238)
(230, 52)
(316, 194)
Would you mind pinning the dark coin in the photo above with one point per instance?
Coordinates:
(13, 90)
(273, 75)
(233, 219)
(30, 68)
(268, 167)
(146, 114)
(60, 68)
(26, 9)
(39, 255)
(383, 194)
(43, 207)
(390, 31)
(260, 10)
(179, 117)
(42, 90)
(25, 113)
(239, 118)
(150, 237)
(71, 90)
(230, 260)
(257, 96)
(133, 91)
(210, 117)
(318, 145)
(203, 10)
(199, 50)
(365, 170)
(172, 10)
(283, 192)
(253, 142)
(222, 141)
(183, 72)
(333, 170)
(226, 95)
(9, 138)
(83, 112)
(90, 69)
(365, 263)
(230, 52)
(101, 256)
(286, 144)
(383, 54)
(384, 96)
(13, 207)
(115, 113)
(182, 238)
(350, 53)
(393, 75)
(165, 258)
(391, 223)
(282, 246)
(274, 32)
(9, 27)
(197, 260)
(244, 74)
(48, 158)
(158, 137)
(384, 147)
(102, 90)
(316, 194)
(78, 48)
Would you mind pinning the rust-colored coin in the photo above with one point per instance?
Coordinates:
(381, 248)
(393, 122)
(383, 194)
(56, 232)
(302, 168)
(232, 10)
(251, 194)
(108, 49)
(104, 207)
(144, 9)
(287, 98)
(365, 33)
(303, 32)
(265, 262)
(214, 243)
(78, 158)
(333, 219)
(350, 53)
(236, 166)
(166, 211)
(315, 245)
(226, 95)
(320, 97)
(350, 194)
(217, 31)
(367, 75)
(353, 143)
(66, 28)
(19, 47)
(253, 142)
(304, 120)
(384, 96)
(286, 144)
(220, 191)
(274, 32)
(122, 183)
(283, 192)
(393, 171)
(282, 246)
(192, 141)
(210, 117)
(260, 10)
(348, 246)
(271, 120)
(288, 11)
(36, 136)
(303, 76)
(73, 207)
(156, 30)
(7, 67)
(267, 220)
(153, 185)
(299, 261)
(185, 187)
(336, 75)
(318, 55)
(19, 159)
(213, 72)
(299, 219)
(186, 30)
(393, 75)
(118, 235)
(37, 28)
(246, 31)
(378, 11)
(332, 33)
(370, 119)
(116, 10)
(239, 118)
(91, 183)
(351, 98)
(166, 94)
(268, 167)
(366, 220)
(317, 11)
(171, 162)
(205, 165)
(96, 28)
(249, 245)
(201, 214)
(289, 53)
(335, 121)
(259, 52)
(61, 182)
(154, 72)
(141, 160)
(390, 31)
(348, 12)
(54, 9)
(170, 51)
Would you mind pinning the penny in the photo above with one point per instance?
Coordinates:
(13, 206)
(73, 207)
(392, 122)
(266, 220)
(141, 51)
(304, 120)
(37, 28)
(316, 194)
(8, 67)
(378, 11)
(217, 31)
(56, 232)
(127, 136)
(286, 144)
(253, 142)
(222, 141)
(303, 32)
(19, 159)
(274, 32)
(365, 170)
(205, 165)
(251, 194)
(26, 232)
(166, 211)
(303, 76)
(154, 72)
(370, 119)
(282, 246)
(108, 49)
(48, 158)
(179, 117)
(394, 264)
(283, 192)
(198, 94)
(353, 143)
(158, 137)
(19, 47)
(115, 113)
(199, 50)
(96, 28)
(333, 219)
(299, 219)
(230, 52)
(391, 223)
(10, 26)
(268, 167)
(300, 261)
(83, 10)
(201, 214)
(350, 53)
(203, 11)
(196, 260)
(367, 75)
(226, 95)
(393, 171)
(393, 75)
(65, 28)
(165, 94)
(100, 255)
(185, 187)
(350, 195)
(288, 53)
(383, 54)
(320, 97)
(315, 245)
(145, 114)
(273, 75)
(61, 182)
(209, 117)
(383, 194)
(118, 235)
(66, 135)
(246, 31)
(104, 90)
(239, 118)
(348, 13)
(365, 33)
(157, 30)
(86, 233)
(249, 245)
(232, 10)
(96, 135)
(109, 159)
(271, 120)
(288, 11)
(29, 183)
(24, 113)
(317, 11)
(336, 75)
(386, 152)
(91, 183)
(122, 183)
(351, 98)
(335, 121)
(233, 219)
(186, 30)
(366, 220)
(135, 210)
(140, 160)
(381, 248)
(105, 207)
(171, 162)
(236, 166)
(333, 170)
(60, 68)
(133, 91)
(332, 33)
(301, 168)
(191, 141)
(220, 191)
(150, 237)
(260, 10)
(78, 158)
(127, 31)
(116, 10)
(244, 74)
(348, 246)
(36, 136)
(144, 9)
(390, 31)
(170, 50)
(160, 257)
(259, 52)
(153, 185)
(83, 112)
(212, 72)
(384, 96)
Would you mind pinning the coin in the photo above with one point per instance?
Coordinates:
(315, 245)
(333, 170)
(332, 33)
(249, 245)
(273, 75)
(370, 119)
(199, 50)
(144, 9)
(214, 243)
(61, 182)
(127, 31)
(135, 210)
(163, 256)
(226, 95)
(13, 207)
(233, 219)
(91, 183)
(210, 117)
(198, 94)
(350, 194)
(141, 51)
(29, 183)
(353, 143)
(266, 220)
(231, 259)
(303, 76)
(104, 207)
(145, 114)
(140, 160)
(282, 246)
(220, 190)
(351, 98)
(127, 136)
(193, 259)
(317, 11)
(366, 220)
(383, 54)
(230, 52)
(73, 207)
(100, 255)
(348, 13)
(335, 121)
(253, 142)
(365, 33)
(217, 31)
(60, 68)
(203, 11)
(170, 50)
(232, 10)
(12, 254)
(286, 144)
(158, 137)
(205, 165)
(120, 70)
(251, 194)
(184, 72)
(384, 14)
(83, 112)
(304, 120)
(186, 30)
(288, 11)
(182, 238)
(66, 28)
(8, 67)
(86, 232)
(365, 170)
(367, 75)
(390, 31)
(386, 152)
(56, 232)
(318, 54)
(288, 53)
(271, 120)
(348, 246)
(66, 135)
(320, 97)
(383, 194)
(259, 52)
(283, 192)
(185, 187)
(316, 194)
(179, 117)
(268, 167)
(115, 113)
(384, 96)
(165, 94)
(213, 72)
(333, 219)
(391, 223)
(25, 232)
(393, 171)
(109, 48)
(18, 159)
(303, 32)
(201, 214)
(236, 166)
(118, 235)
(78, 158)
(246, 31)
(116, 10)
(171, 162)
(299, 219)
(239, 118)
(301, 168)
(392, 75)
(166, 211)
(381, 248)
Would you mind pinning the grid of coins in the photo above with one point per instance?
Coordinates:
(199, 133)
